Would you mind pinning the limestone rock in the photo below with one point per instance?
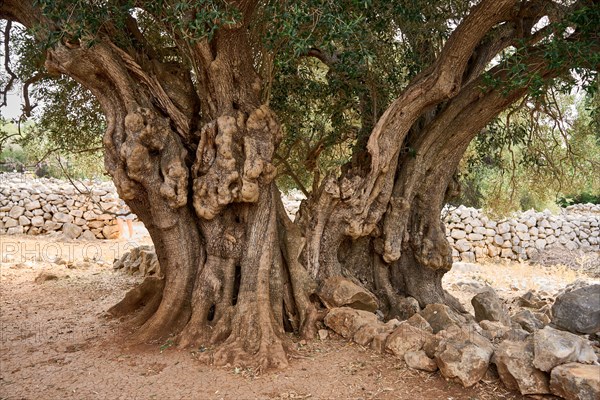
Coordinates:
(62, 218)
(406, 338)
(488, 306)
(529, 320)
(458, 234)
(521, 228)
(578, 310)
(503, 228)
(52, 197)
(111, 231)
(16, 230)
(463, 356)
(88, 235)
(346, 321)
(80, 221)
(514, 361)
(76, 213)
(32, 205)
(338, 291)
(139, 260)
(419, 322)
(96, 224)
(440, 317)
(419, 360)
(71, 231)
(516, 334)
(531, 300)
(553, 347)
(576, 381)
(366, 333)
(37, 221)
(10, 222)
(89, 216)
(16, 212)
(50, 226)
(493, 330)
(26, 198)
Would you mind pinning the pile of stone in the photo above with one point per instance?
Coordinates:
(474, 236)
(140, 260)
(36, 206)
(536, 348)
(583, 209)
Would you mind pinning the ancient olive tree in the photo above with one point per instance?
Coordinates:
(192, 90)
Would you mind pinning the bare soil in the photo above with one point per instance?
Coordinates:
(56, 343)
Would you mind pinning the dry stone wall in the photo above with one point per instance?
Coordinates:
(37, 206)
(474, 236)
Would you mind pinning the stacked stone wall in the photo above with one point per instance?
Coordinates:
(474, 236)
(38, 206)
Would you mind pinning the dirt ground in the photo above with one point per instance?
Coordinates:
(55, 342)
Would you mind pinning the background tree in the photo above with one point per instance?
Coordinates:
(533, 155)
(191, 90)
(61, 124)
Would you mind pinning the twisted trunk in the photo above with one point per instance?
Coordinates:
(232, 280)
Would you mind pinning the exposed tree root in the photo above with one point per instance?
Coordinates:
(147, 295)
(213, 304)
(397, 305)
(272, 353)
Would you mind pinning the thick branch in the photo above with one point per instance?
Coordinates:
(328, 59)
(367, 202)
(439, 149)
(28, 108)
(7, 68)
(439, 82)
